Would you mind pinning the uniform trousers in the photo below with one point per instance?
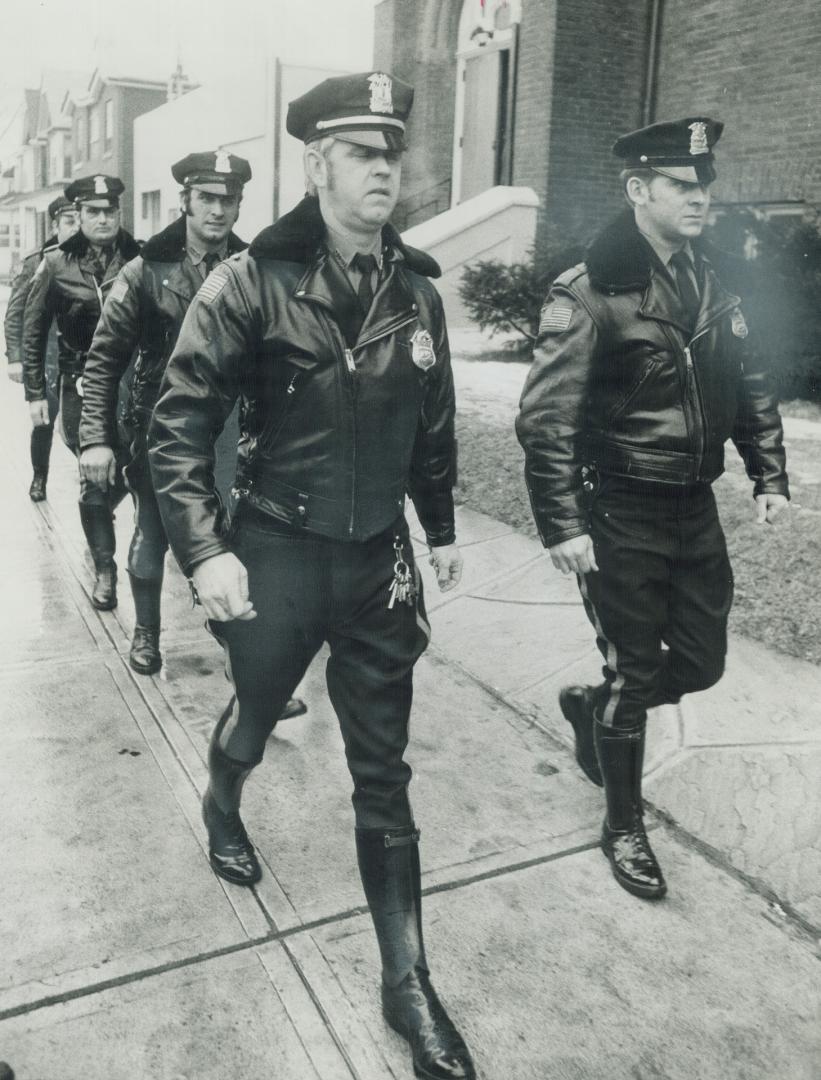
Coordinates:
(664, 579)
(71, 405)
(146, 555)
(43, 434)
(308, 590)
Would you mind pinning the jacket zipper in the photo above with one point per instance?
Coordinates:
(350, 368)
(350, 364)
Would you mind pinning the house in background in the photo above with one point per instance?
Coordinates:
(245, 116)
(529, 96)
(39, 169)
(102, 119)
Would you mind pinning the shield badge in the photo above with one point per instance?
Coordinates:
(739, 323)
(422, 352)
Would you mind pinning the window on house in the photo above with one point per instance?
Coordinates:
(5, 236)
(109, 124)
(95, 127)
(81, 139)
(151, 210)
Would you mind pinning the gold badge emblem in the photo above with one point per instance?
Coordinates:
(698, 138)
(739, 323)
(422, 352)
(100, 187)
(381, 93)
(222, 162)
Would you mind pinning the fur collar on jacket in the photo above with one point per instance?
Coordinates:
(619, 259)
(297, 236)
(77, 245)
(169, 245)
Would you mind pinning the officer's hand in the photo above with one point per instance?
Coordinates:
(99, 466)
(574, 556)
(38, 411)
(447, 562)
(768, 507)
(15, 372)
(222, 587)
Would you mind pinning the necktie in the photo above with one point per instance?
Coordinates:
(365, 264)
(211, 259)
(686, 289)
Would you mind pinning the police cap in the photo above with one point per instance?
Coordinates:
(58, 205)
(368, 109)
(682, 149)
(98, 188)
(213, 167)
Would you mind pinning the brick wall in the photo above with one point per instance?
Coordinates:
(599, 74)
(416, 41)
(754, 65)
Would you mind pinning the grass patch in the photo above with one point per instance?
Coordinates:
(775, 567)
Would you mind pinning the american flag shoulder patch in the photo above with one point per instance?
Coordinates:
(555, 318)
(119, 291)
(214, 284)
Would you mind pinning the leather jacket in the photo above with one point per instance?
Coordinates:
(13, 322)
(144, 311)
(338, 422)
(64, 287)
(620, 385)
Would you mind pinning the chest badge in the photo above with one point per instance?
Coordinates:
(739, 324)
(422, 352)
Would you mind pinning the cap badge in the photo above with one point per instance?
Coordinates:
(100, 187)
(222, 162)
(698, 139)
(422, 352)
(381, 93)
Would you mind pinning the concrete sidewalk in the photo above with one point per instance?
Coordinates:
(125, 958)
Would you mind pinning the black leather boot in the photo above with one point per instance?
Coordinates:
(98, 526)
(576, 703)
(389, 867)
(37, 488)
(230, 852)
(41, 438)
(623, 840)
(144, 656)
(294, 707)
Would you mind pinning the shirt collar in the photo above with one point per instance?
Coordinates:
(665, 252)
(196, 256)
(341, 249)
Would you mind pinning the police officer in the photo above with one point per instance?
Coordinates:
(330, 332)
(71, 284)
(643, 369)
(65, 223)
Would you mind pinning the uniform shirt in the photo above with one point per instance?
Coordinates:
(197, 257)
(665, 252)
(340, 250)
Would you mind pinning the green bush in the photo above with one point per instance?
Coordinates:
(780, 283)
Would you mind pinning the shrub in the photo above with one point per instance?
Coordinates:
(781, 290)
(782, 298)
(509, 298)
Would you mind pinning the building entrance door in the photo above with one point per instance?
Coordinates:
(481, 128)
(487, 40)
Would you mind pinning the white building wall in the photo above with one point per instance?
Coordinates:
(240, 116)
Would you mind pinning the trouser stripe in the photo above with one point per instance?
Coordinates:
(614, 686)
